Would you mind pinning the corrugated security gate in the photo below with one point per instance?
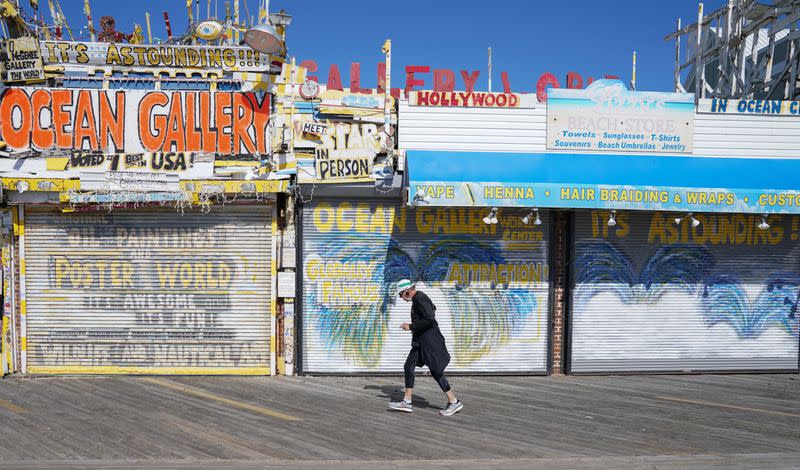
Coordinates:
(149, 291)
(490, 284)
(651, 295)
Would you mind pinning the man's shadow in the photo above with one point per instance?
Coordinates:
(395, 393)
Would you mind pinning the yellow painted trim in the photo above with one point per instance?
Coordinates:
(223, 163)
(236, 186)
(23, 266)
(273, 305)
(23, 306)
(24, 343)
(108, 370)
(57, 163)
(4, 346)
(15, 220)
(56, 184)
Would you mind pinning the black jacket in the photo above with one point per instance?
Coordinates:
(425, 334)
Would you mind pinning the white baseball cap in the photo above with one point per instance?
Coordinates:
(404, 285)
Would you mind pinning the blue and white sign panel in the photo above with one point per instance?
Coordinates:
(732, 106)
(607, 117)
(625, 182)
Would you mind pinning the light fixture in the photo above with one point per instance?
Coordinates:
(420, 198)
(695, 222)
(22, 186)
(763, 225)
(532, 214)
(612, 219)
(265, 39)
(491, 218)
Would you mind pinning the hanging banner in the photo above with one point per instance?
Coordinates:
(607, 117)
(20, 60)
(134, 121)
(229, 59)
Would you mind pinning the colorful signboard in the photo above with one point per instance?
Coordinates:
(229, 59)
(609, 118)
(134, 121)
(733, 106)
(20, 60)
(630, 182)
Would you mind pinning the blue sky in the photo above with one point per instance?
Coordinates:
(528, 37)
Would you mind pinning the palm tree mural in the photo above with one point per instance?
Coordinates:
(483, 319)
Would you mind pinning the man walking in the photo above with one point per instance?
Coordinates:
(427, 348)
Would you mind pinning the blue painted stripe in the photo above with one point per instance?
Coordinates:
(603, 169)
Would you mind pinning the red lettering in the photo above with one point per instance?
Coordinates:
(152, 141)
(85, 113)
(311, 67)
(469, 80)
(355, 80)
(223, 120)
(574, 80)
(242, 117)
(176, 133)
(444, 80)
(506, 83)
(334, 78)
(18, 138)
(502, 100)
(422, 98)
(513, 101)
(412, 81)
(61, 117)
(260, 120)
(546, 79)
(42, 138)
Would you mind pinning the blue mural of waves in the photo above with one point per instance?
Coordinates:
(602, 267)
(724, 300)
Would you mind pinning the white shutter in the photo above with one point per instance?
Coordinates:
(354, 252)
(650, 295)
(150, 291)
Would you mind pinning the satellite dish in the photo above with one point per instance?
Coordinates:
(263, 38)
(209, 30)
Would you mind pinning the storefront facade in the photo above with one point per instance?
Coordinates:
(146, 223)
(677, 257)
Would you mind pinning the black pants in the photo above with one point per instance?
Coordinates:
(411, 363)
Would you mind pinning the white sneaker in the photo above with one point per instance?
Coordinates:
(452, 408)
(401, 406)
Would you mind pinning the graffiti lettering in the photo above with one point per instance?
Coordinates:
(197, 275)
(464, 274)
(88, 274)
(716, 229)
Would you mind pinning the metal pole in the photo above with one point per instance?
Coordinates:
(387, 89)
(490, 70)
(633, 75)
(149, 33)
(678, 59)
(699, 68)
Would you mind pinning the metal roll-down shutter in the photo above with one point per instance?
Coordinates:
(149, 291)
(490, 284)
(653, 295)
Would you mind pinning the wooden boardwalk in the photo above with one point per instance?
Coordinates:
(693, 421)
